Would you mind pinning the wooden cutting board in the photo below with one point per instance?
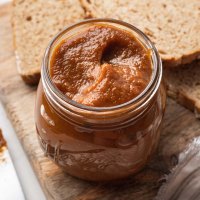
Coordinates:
(180, 127)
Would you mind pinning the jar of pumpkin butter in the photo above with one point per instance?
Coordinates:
(101, 100)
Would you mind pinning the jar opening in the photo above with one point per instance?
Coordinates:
(148, 92)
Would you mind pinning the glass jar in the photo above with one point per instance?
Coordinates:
(100, 143)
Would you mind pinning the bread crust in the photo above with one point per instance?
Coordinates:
(169, 61)
(183, 85)
(31, 77)
(31, 37)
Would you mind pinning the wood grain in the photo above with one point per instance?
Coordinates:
(180, 127)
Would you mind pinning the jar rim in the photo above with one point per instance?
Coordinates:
(155, 78)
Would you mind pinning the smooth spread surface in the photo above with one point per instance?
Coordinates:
(101, 66)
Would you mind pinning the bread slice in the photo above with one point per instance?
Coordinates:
(183, 85)
(35, 23)
(174, 26)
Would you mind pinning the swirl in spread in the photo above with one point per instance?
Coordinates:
(101, 66)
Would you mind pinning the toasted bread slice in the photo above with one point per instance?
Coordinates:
(183, 85)
(172, 25)
(35, 23)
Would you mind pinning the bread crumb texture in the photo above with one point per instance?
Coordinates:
(35, 23)
(174, 26)
(183, 85)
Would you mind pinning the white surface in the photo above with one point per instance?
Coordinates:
(4, 1)
(27, 178)
(9, 181)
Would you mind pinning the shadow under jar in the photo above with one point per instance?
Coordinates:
(100, 143)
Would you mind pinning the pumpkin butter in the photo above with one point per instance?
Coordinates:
(101, 66)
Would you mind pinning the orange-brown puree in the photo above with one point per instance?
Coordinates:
(101, 66)
(2, 141)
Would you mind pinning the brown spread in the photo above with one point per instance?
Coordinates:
(2, 141)
(102, 66)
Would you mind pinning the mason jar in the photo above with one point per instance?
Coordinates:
(100, 143)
